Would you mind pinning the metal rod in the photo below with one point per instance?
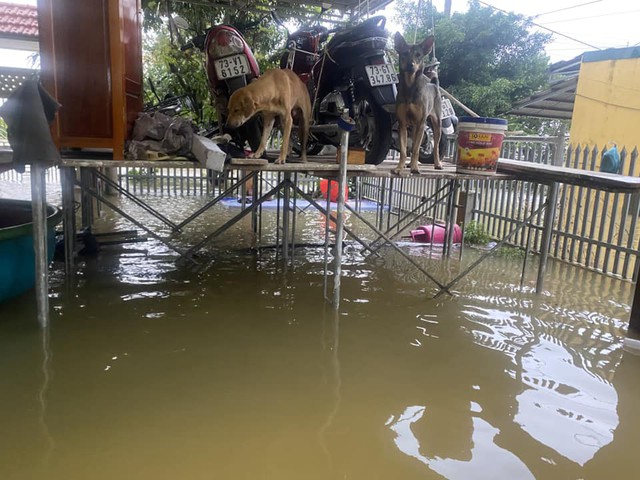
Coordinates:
(326, 238)
(518, 227)
(528, 244)
(328, 217)
(286, 210)
(134, 199)
(233, 221)
(434, 199)
(547, 232)
(396, 248)
(293, 218)
(451, 216)
(342, 182)
(67, 175)
(206, 207)
(39, 217)
(118, 210)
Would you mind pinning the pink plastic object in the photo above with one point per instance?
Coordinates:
(435, 234)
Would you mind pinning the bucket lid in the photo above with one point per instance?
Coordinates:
(483, 120)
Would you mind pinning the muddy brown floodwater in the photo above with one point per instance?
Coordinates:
(151, 370)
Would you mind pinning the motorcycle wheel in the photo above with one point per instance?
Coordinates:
(426, 148)
(373, 129)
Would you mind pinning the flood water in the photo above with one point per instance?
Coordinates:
(154, 370)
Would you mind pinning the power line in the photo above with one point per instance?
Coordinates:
(541, 26)
(566, 8)
(592, 16)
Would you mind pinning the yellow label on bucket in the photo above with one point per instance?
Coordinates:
(479, 137)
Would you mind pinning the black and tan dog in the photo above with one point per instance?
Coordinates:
(276, 93)
(418, 99)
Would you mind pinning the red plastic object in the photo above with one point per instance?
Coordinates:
(435, 234)
(330, 187)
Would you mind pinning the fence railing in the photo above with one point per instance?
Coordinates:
(594, 229)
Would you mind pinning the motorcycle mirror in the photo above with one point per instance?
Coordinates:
(180, 22)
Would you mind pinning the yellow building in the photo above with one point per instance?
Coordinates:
(607, 99)
(599, 92)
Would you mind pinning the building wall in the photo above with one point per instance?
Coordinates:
(607, 103)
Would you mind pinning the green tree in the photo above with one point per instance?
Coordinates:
(489, 59)
(182, 73)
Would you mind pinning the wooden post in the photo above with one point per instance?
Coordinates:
(39, 218)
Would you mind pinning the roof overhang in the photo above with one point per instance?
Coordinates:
(9, 42)
(556, 102)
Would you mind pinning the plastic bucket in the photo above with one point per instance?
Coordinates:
(479, 144)
(330, 189)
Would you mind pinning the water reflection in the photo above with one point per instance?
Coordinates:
(566, 401)
(479, 458)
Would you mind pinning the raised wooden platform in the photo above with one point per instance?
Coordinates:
(541, 173)
(317, 165)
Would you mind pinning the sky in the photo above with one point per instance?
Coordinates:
(579, 25)
(589, 24)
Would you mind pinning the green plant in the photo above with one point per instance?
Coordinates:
(510, 252)
(475, 234)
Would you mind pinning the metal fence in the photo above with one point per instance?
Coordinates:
(195, 181)
(594, 229)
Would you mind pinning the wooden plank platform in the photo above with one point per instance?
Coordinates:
(541, 173)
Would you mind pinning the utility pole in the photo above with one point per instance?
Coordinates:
(447, 8)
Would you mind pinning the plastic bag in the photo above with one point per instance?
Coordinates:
(610, 161)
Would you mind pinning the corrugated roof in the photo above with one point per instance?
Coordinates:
(18, 20)
(554, 102)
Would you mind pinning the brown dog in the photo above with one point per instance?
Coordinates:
(418, 99)
(276, 93)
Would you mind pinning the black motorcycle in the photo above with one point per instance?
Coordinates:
(350, 72)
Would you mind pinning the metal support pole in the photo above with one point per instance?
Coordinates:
(86, 202)
(67, 180)
(293, 216)
(547, 232)
(255, 193)
(342, 182)
(528, 245)
(451, 216)
(39, 217)
(286, 211)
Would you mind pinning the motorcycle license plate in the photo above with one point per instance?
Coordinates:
(231, 67)
(447, 109)
(381, 75)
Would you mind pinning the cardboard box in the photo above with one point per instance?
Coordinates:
(354, 157)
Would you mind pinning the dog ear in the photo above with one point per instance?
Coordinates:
(399, 43)
(427, 44)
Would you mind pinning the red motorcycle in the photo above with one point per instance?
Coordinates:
(230, 65)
